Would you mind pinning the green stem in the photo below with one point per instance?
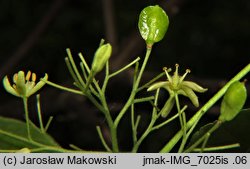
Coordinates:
(102, 139)
(205, 142)
(25, 102)
(144, 99)
(135, 87)
(74, 67)
(124, 68)
(169, 120)
(150, 126)
(39, 113)
(89, 81)
(179, 112)
(74, 147)
(183, 123)
(108, 117)
(134, 129)
(216, 126)
(217, 148)
(113, 127)
(86, 78)
(48, 123)
(144, 135)
(103, 107)
(168, 147)
(105, 82)
(64, 88)
(71, 71)
(110, 122)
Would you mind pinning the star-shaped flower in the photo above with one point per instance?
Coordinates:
(22, 86)
(176, 85)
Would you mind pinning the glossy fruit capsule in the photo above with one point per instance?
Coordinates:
(233, 101)
(153, 24)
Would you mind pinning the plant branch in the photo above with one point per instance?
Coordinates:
(217, 148)
(135, 87)
(168, 147)
(102, 139)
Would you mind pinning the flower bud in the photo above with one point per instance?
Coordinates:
(168, 106)
(153, 24)
(101, 57)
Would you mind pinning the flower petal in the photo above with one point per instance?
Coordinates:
(157, 85)
(191, 95)
(8, 87)
(38, 86)
(194, 86)
(20, 83)
(181, 92)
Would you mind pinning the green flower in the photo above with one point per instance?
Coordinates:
(177, 85)
(22, 86)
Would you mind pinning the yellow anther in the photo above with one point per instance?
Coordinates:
(33, 78)
(15, 78)
(28, 75)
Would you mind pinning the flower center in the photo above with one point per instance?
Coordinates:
(176, 79)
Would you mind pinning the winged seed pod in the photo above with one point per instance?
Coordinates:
(153, 24)
(233, 101)
(101, 57)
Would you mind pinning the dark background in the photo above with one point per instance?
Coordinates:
(210, 37)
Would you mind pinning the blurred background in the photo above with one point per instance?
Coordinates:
(210, 37)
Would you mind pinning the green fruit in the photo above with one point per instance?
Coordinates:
(153, 24)
(233, 101)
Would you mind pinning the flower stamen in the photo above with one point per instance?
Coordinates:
(168, 76)
(183, 76)
(176, 69)
(15, 78)
(33, 78)
(28, 76)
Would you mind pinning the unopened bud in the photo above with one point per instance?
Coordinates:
(101, 57)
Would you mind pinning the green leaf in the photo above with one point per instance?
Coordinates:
(201, 132)
(233, 101)
(153, 24)
(13, 136)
